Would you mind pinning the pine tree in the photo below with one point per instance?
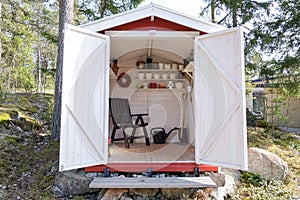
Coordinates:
(66, 11)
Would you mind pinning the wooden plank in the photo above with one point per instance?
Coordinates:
(143, 182)
(139, 152)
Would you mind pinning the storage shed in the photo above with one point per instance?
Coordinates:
(194, 80)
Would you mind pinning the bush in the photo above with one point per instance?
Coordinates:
(254, 187)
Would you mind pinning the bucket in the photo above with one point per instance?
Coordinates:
(184, 138)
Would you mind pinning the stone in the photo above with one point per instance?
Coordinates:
(234, 173)
(126, 198)
(91, 174)
(115, 193)
(203, 194)
(226, 190)
(144, 192)
(2, 194)
(176, 193)
(102, 193)
(57, 191)
(71, 183)
(218, 178)
(267, 164)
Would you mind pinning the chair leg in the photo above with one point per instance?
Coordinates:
(132, 135)
(126, 140)
(113, 134)
(146, 136)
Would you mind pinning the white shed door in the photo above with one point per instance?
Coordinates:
(219, 100)
(85, 94)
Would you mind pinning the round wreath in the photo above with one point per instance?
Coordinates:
(124, 80)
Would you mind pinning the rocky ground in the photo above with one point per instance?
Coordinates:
(26, 152)
(29, 158)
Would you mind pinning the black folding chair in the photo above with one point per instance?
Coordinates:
(123, 119)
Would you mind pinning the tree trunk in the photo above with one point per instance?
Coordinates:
(1, 70)
(39, 71)
(234, 12)
(66, 8)
(213, 8)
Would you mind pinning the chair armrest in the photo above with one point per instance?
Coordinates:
(136, 115)
(139, 118)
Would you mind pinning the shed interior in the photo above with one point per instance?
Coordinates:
(158, 88)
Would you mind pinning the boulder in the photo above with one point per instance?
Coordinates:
(144, 192)
(115, 193)
(71, 183)
(234, 173)
(225, 191)
(267, 164)
(176, 193)
(218, 178)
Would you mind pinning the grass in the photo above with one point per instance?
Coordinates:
(285, 145)
(26, 149)
(25, 144)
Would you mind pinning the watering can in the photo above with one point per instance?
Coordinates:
(159, 134)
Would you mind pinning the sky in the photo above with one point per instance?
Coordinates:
(189, 7)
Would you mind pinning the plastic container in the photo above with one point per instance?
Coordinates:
(164, 76)
(172, 76)
(179, 85)
(175, 66)
(152, 85)
(167, 66)
(161, 66)
(148, 76)
(141, 76)
(145, 85)
(156, 76)
(180, 67)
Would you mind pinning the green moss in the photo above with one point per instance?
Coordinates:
(27, 123)
(12, 113)
(4, 118)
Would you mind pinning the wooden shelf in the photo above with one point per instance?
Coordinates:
(158, 70)
(178, 79)
(159, 89)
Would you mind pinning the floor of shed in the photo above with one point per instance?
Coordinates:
(139, 152)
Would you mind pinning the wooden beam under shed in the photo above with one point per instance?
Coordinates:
(143, 182)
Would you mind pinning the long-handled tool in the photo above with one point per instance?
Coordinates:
(183, 137)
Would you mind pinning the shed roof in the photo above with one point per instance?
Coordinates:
(152, 10)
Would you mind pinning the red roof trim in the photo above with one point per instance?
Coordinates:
(156, 24)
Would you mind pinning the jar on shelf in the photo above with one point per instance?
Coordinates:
(156, 76)
(148, 75)
(167, 66)
(141, 76)
(174, 66)
(172, 76)
(161, 66)
(164, 76)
